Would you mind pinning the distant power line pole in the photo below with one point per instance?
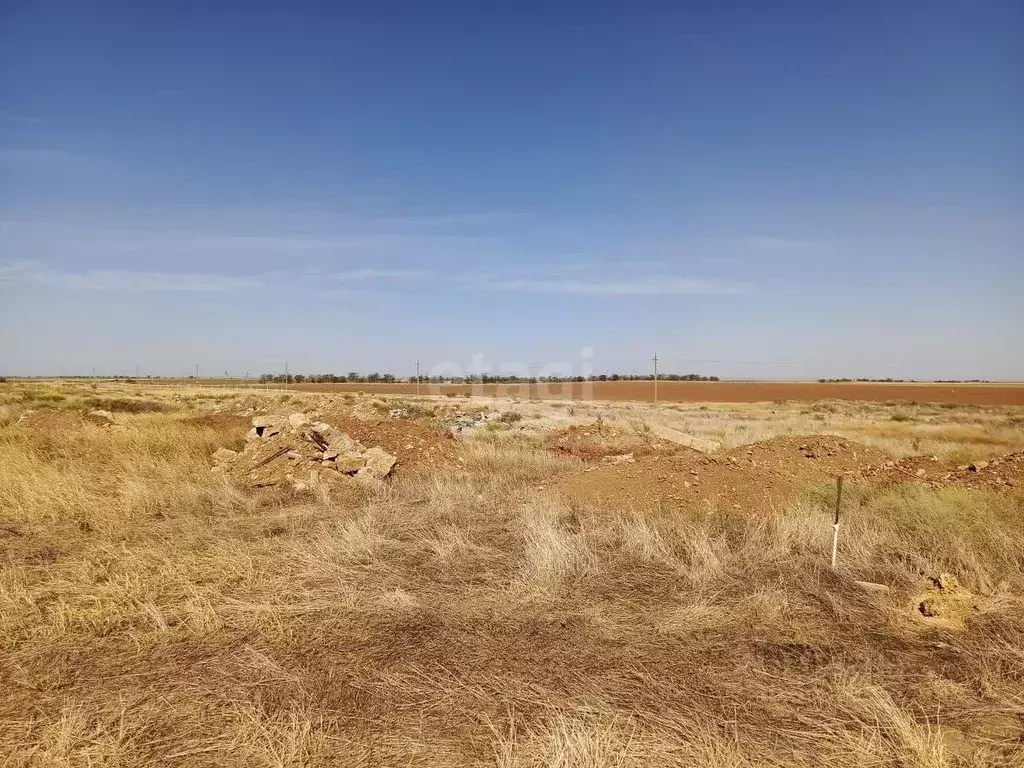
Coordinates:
(197, 371)
(655, 377)
(417, 376)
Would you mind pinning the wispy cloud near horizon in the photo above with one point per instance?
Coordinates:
(377, 274)
(655, 285)
(31, 272)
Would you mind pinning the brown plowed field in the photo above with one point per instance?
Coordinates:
(711, 391)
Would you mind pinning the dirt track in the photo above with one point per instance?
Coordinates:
(712, 391)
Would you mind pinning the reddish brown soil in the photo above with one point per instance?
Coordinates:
(759, 476)
(415, 445)
(592, 442)
(808, 455)
(1003, 473)
(752, 477)
(712, 391)
(686, 479)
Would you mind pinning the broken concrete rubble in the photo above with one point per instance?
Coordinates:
(278, 450)
(379, 464)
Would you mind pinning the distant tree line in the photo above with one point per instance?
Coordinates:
(910, 381)
(355, 377)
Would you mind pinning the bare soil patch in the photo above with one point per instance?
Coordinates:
(759, 476)
(593, 442)
(683, 479)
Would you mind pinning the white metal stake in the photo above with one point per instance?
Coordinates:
(835, 544)
(835, 525)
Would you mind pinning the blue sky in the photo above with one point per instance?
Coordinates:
(785, 189)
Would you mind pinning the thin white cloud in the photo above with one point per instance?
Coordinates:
(33, 272)
(377, 274)
(122, 280)
(644, 286)
(15, 271)
(445, 220)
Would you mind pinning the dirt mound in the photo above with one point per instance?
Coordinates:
(593, 442)
(294, 451)
(751, 477)
(685, 479)
(416, 446)
(1003, 473)
(808, 455)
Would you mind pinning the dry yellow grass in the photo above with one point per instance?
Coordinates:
(152, 615)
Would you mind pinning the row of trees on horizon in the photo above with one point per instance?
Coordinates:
(384, 378)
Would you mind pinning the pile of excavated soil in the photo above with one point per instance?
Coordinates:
(808, 455)
(761, 475)
(416, 446)
(294, 451)
(685, 479)
(753, 477)
(1003, 473)
(593, 442)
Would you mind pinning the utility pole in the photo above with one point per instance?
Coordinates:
(197, 372)
(136, 371)
(417, 376)
(287, 380)
(655, 377)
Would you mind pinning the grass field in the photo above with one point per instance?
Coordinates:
(467, 614)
